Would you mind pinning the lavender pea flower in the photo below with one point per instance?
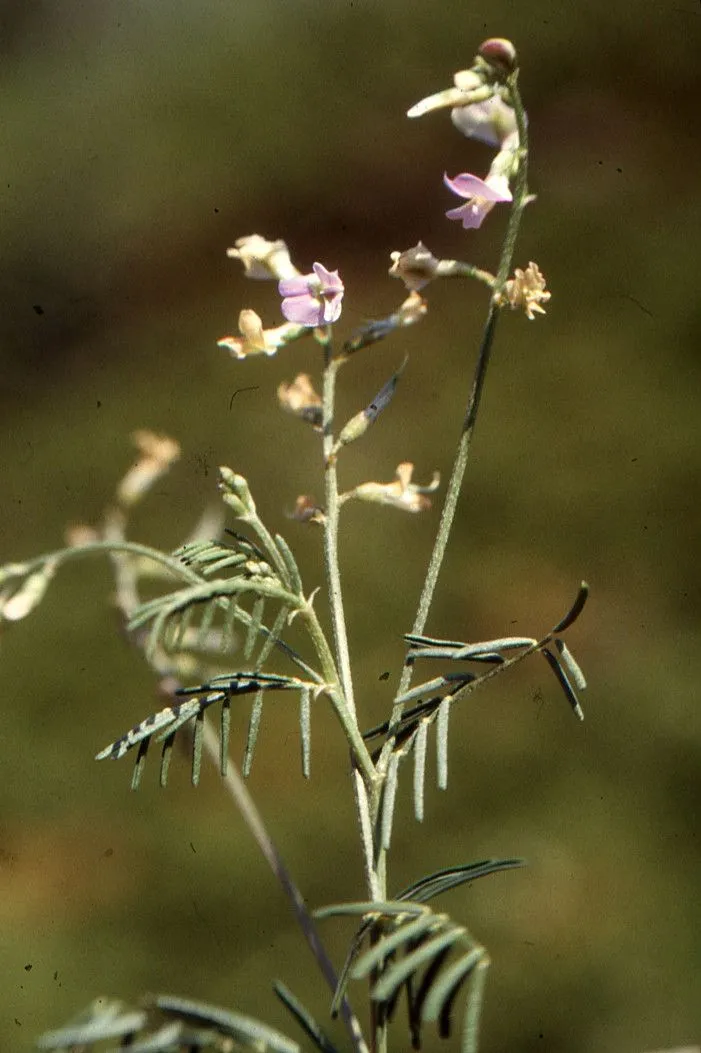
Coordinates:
(312, 299)
(481, 197)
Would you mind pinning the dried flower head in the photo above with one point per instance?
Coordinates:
(312, 299)
(416, 267)
(527, 290)
(254, 340)
(306, 510)
(301, 399)
(412, 310)
(402, 493)
(158, 453)
(263, 260)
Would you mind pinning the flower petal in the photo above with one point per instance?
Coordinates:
(330, 280)
(312, 299)
(471, 186)
(332, 308)
(471, 214)
(298, 286)
(490, 121)
(305, 310)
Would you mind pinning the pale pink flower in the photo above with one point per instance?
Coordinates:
(480, 197)
(312, 299)
(492, 122)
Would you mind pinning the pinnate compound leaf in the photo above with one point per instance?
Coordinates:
(165, 718)
(162, 726)
(102, 1019)
(408, 734)
(189, 1025)
(248, 1032)
(398, 973)
(423, 954)
(408, 902)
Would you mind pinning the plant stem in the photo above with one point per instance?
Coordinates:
(115, 545)
(254, 821)
(364, 780)
(520, 200)
(333, 574)
(336, 695)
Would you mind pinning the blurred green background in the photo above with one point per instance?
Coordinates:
(139, 140)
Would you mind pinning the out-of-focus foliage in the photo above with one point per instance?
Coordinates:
(139, 140)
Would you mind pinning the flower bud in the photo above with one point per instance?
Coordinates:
(499, 53)
(236, 492)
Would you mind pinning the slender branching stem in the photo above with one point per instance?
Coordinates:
(111, 546)
(520, 200)
(333, 574)
(534, 648)
(458, 269)
(335, 692)
(238, 790)
(363, 776)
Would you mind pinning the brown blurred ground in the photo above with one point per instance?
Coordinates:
(138, 141)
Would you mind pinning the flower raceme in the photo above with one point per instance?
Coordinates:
(312, 299)
(481, 108)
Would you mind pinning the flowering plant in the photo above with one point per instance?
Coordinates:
(216, 630)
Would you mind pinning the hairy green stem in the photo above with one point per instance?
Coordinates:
(520, 200)
(178, 569)
(335, 692)
(333, 574)
(254, 821)
(364, 776)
